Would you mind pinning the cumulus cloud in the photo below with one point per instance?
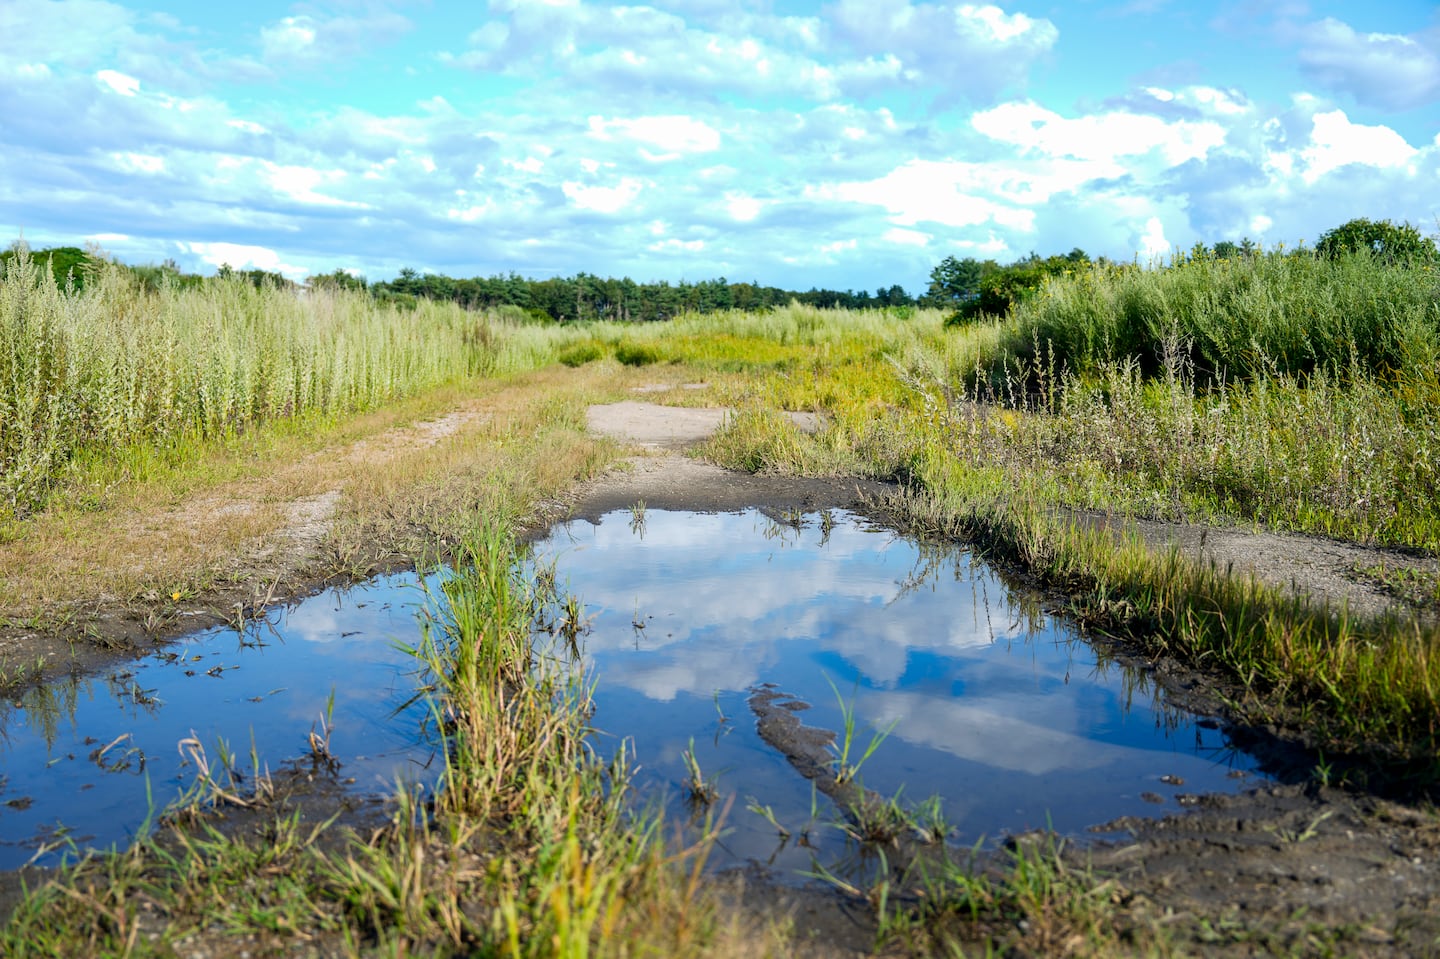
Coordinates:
(682, 139)
(1385, 70)
(968, 50)
(1336, 142)
(603, 199)
(242, 256)
(310, 40)
(676, 135)
(859, 49)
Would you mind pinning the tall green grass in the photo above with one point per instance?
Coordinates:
(1240, 318)
(1286, 390)
(116, 364)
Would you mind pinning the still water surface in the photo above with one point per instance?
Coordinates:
(998, 708)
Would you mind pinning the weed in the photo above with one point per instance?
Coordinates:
(845, 770)
(768, 814)
(319, 740)
(700, 791)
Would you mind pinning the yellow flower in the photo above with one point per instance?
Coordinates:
(175, 596)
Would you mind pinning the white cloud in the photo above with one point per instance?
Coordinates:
(292, 36)
(310, 40)
(951, 193)
(533, 164)
(967, 50)
(1153, 245)
(1386, 70)
(603, 199)
(676, 134)
(906, 237)
(242, 256)
(673, 245)
(743, 207)
(859, 48)
(1336, 142)
(300, 183)
(139, 162)
(1104, 138)
(124, 85)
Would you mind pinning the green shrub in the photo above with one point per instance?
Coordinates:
(578, 354)
(636, 354)
(1380, 238)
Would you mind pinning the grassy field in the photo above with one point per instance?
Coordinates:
(1281, 392)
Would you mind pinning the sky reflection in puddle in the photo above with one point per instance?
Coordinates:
(999, 709)
(269, 685)
(995, 707)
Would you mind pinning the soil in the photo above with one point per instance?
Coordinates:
(1285, 867)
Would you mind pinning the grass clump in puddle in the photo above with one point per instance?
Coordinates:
(527, 847)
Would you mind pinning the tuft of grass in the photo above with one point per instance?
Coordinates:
(631, 353)
(846, 767)
(580, 353)
(700, 790)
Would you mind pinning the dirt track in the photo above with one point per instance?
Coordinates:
(1282, 868)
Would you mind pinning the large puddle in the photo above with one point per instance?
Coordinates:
(991, 705)
(1002, 711)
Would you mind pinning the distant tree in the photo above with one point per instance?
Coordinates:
(68, 264)
(953, 281)
(338, 280)
(1393, 243)
(1225, 250)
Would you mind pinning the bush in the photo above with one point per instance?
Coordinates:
(1380, 238)
(578, 354)
(636, 354)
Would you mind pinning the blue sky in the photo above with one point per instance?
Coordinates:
(851, 144)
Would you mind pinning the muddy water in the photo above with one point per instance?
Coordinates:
(992, 705)
(82, 763)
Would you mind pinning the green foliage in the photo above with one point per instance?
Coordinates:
(68, 264)
(578, 354)
(1386, 241)
(126, 361)
(586, 297)
(338, 280)
(1003, 288)
(1263, 315)
(955, 282)
(636, 354)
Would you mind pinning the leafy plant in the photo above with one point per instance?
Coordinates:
(1386, 241)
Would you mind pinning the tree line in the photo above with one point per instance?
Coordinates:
(585, 296)
(968, 288)
(972, 288)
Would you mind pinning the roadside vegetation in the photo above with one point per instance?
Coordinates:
(1267, 389)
